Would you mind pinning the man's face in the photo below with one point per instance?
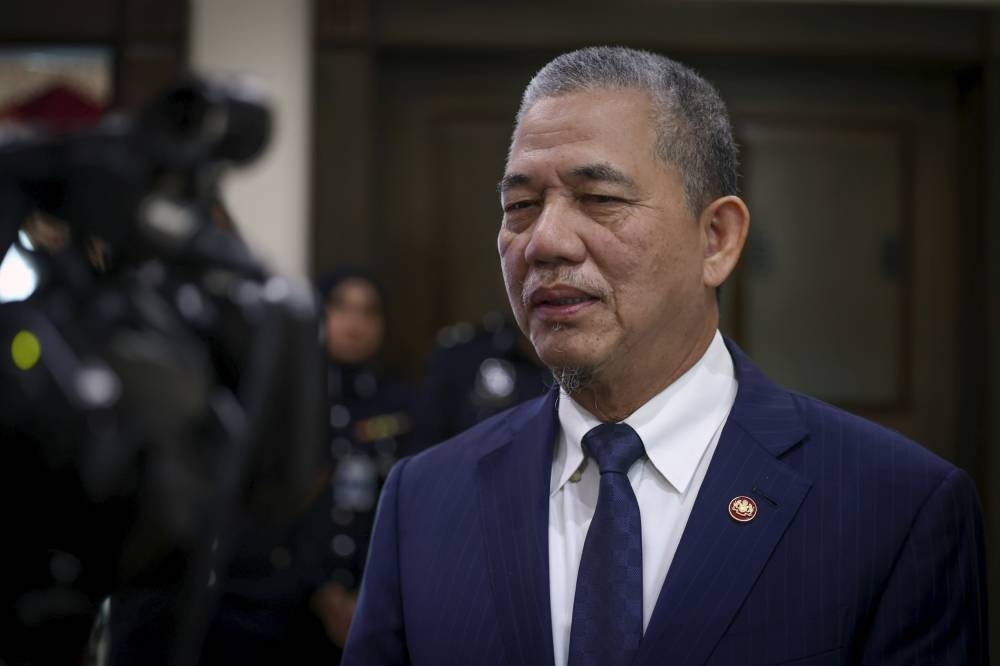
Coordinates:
(354, 323)
(601, 255)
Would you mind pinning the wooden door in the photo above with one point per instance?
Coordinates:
(848, 287)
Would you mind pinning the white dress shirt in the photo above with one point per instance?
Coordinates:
(680, 428)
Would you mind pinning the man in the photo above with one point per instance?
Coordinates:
(668, 504)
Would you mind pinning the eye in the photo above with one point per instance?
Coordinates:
(515, 206)
(518, 214)
(601, 199)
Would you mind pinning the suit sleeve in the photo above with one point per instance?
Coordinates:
(377, 634)
(933, 608)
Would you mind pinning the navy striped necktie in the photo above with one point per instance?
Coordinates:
(607, 608)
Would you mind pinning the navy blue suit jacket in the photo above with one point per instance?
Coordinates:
(866, 548)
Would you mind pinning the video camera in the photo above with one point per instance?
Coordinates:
(158, 386)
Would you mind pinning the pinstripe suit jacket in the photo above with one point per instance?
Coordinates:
(866, 548)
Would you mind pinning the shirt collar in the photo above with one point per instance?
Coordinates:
(676, 425)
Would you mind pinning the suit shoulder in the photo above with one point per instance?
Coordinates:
(854, 438)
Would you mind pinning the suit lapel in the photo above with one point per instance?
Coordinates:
(719, 559)
(514, 501)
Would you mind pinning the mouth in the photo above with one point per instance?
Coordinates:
(559, 304)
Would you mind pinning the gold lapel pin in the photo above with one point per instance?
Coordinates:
(742, 509)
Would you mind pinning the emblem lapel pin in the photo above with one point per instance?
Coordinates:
(742, 509)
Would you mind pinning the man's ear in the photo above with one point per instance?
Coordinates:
(725, 223)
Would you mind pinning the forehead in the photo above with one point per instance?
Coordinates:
(594, 126)
(354, 290)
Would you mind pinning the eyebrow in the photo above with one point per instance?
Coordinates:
(600, 171)
(512, 180)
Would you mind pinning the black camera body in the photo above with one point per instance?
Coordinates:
(153, 401)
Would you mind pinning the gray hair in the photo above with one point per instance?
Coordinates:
(693, 133)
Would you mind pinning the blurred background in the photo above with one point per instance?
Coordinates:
(870, 134)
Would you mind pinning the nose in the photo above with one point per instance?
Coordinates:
(555, 236)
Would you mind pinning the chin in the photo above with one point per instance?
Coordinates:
(560, 358)
(564, 346)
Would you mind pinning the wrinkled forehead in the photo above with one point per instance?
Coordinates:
(576, 131)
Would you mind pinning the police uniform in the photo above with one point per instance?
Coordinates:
(370, 425)
(473, 373)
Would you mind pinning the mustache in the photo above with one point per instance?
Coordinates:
(563, 275)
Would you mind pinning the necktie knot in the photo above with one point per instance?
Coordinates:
(614, 446)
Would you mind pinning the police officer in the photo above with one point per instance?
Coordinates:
(473, 373)
(370, 426)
